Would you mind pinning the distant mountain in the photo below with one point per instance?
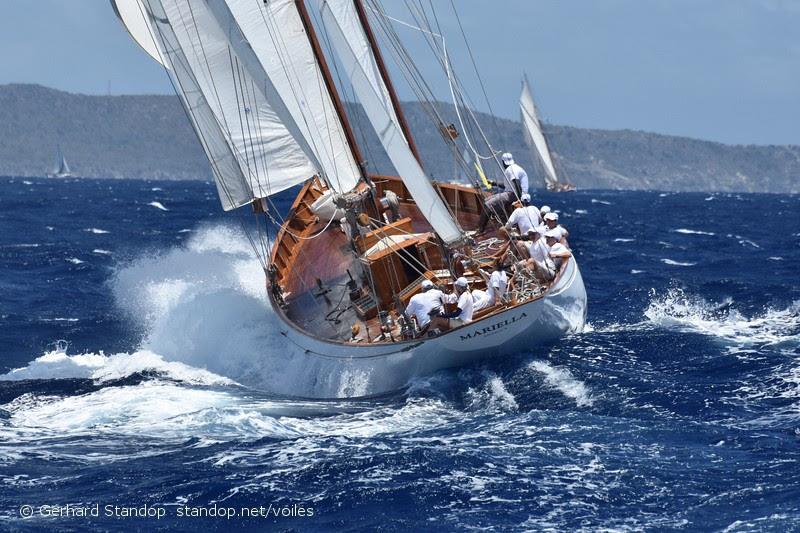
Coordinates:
(150, 137)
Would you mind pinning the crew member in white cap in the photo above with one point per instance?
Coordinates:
(558, 251)
(424, 304)
(496, 286)
(551, 219)
(464, 306)
(515, 176)
(539, 255)
(544, 210)
(524, 217)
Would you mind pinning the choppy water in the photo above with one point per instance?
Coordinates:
(677, 409)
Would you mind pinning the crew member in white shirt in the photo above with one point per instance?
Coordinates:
(464, 307)
(558, 251)
(551, 220)
(539, 255)
(424, 304)
(515, 176)
(524, 217)
(496, 286)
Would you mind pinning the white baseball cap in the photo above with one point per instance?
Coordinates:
(508, 158)
(525, 197)
(544, 210)
(461, 282)
(554, 233)
(551, 216)
(427, 284)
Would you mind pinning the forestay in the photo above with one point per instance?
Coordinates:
(533, 133)
(350, 43)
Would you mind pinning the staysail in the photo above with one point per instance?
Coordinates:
(274, 31)
(534, 135)
(348, 39)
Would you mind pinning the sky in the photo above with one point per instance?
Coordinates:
(722, 70)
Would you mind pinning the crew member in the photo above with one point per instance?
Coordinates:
(496, 286)
(425, 304)
(558, 251)
(551, 219)
(524, 217)
(515, 176)
(462, 297)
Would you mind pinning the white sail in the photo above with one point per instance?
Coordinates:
(63, 167)
(237, 111)
(349, 41)
(534, 135)
(133, 15)
(274, 29)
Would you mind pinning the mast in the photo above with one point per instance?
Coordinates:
(387, 80)
(326, 75)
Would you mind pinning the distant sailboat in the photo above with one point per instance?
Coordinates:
(61, 170)
(534, 137)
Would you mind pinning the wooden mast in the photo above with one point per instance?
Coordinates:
(387, 80)
(329, 84)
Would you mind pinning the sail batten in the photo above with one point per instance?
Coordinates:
(534, 136)
(350, 43)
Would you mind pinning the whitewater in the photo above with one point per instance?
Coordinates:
(151, 373)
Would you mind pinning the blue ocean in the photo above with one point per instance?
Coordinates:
(134, 329)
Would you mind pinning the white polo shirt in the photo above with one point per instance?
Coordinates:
(525, 218)
(514, 172)
(498, 283)
(420, 305)
(539, 250)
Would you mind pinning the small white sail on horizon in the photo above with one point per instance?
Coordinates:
(534, 136)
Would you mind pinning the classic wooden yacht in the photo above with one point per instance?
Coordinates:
(355, 247)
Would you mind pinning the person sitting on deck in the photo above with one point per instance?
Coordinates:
(551, 219)
(524, 217)
(558, 251)
(538, 253)
(425, 304)
(496, 286)
(544, 210)
(464, 307)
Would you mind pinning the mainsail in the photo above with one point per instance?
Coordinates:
(534, 135)
(350, 43)
(63, 167)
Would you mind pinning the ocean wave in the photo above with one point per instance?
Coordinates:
(672, 262)
(57, 364)
(158, 205)
(679, 310)
(693, 232)
(96, 231)
(563, 380)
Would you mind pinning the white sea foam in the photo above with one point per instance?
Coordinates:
(678, 310)
(158, 205)
(96, 231)
(491, 395)
(634, 271)
(100, 251)
(604, 202)
(622, 239)
(74, 261)
(677, 263)
(693, 232)
(563, 380)
(581, 211)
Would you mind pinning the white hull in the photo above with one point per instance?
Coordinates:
(324, 369)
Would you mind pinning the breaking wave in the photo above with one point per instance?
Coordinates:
(563, 380)
(679, 310)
